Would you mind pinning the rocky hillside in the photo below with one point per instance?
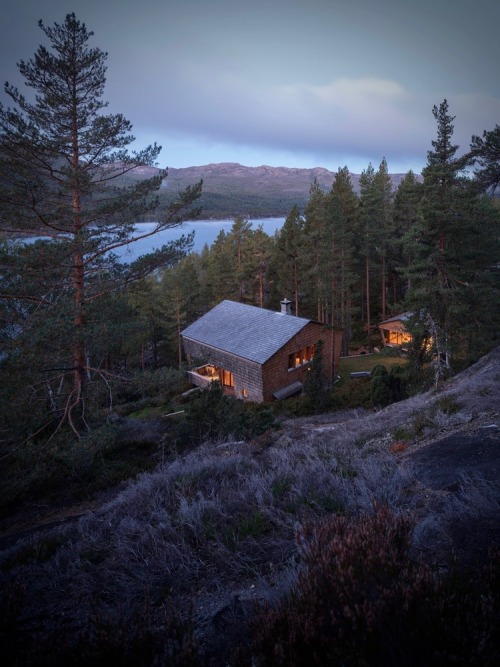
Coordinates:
(214, 531)
(230, 189)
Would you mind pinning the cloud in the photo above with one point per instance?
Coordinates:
(359, 116)
(365, 116)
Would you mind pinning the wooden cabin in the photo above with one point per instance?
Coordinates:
(394, 332)
(258, 354)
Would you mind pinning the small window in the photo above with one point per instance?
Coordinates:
(244, 393)
(300, 357)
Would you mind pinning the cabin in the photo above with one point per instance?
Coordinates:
(393, 331)
(257, 354)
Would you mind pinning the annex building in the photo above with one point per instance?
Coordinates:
(393, 331)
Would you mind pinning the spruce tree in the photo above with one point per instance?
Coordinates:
(66, 173)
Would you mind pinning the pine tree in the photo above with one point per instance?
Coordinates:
(383, 227)
(289, 257)
(367, 221)
(180, 302)
(318, 292)
(485, 152)
(453, 272)
(64, 170)
(407, 225)
(238, 240)
(342, 210)
(259, 257)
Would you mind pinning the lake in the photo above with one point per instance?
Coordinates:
(205, 231)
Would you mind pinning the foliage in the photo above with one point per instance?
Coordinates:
(61, 160)
(212, 415)
(68, 469)
(388, 387)
(361, 600)
(485, 152)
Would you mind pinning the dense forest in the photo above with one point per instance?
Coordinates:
(76, 323)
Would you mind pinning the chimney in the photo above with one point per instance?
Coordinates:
(286, 307)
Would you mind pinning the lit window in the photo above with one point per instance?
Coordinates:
(300, 357)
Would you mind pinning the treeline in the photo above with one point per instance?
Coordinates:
(352, 260)
(226, 205)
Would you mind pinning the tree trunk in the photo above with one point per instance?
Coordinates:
(384, 287)
(296, 287)
(368, 321)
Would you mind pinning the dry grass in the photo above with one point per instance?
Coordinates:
(221, 521)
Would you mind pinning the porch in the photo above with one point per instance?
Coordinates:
(204, 375)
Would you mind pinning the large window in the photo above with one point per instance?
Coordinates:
(398, 337)
(300, 357)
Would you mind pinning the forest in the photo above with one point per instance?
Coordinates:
(77, 325)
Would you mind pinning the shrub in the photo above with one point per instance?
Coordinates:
(380, 390)
(353, 394)
(212, 415)
(360, 600)
(389, 387)
(448, 405)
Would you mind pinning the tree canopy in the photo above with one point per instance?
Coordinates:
(63, 168)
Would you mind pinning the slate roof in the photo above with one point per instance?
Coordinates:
(247, 331)
(403, 317)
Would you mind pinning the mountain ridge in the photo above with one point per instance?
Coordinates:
(231, 189)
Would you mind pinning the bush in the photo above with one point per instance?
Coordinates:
(388, 387)
(211, 415)
(353, 394)
(380, 390)
(360, 600)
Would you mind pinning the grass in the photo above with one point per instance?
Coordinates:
(366, 362)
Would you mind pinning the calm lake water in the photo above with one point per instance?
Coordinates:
(205, 231)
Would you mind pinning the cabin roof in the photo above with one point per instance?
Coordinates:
(246, 331)
(403, 317)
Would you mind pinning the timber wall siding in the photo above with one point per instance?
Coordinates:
(275, 370)
(247, 374)
(261, 381)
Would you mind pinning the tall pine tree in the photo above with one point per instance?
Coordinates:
(63, 173)
(454, 268)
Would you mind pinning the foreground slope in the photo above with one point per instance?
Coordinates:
(215, 530)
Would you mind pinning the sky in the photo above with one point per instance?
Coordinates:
(293, 83)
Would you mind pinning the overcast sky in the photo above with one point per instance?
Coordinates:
(296, 83)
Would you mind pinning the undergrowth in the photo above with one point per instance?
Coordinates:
(361, 600)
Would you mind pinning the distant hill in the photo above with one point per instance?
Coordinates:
(231, 189)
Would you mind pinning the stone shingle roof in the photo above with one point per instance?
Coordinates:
(403, 318)
(247, 331)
